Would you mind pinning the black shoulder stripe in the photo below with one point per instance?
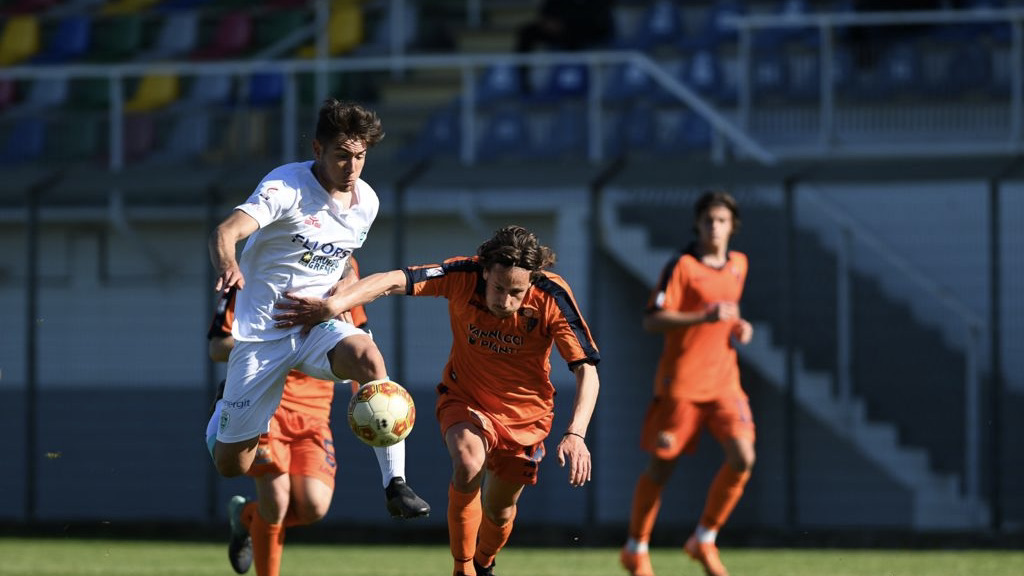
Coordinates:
(423, 273)
(572, 315)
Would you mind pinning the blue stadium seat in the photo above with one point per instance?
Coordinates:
(68, 41)
(626, 82)
(703, 72)
(506, 134)
(900, 70)
(498, 83)
(564, 81)
(265, 89)
(660, 24)
(776, 38)
(440, 135)
(970, 70)
(769, 74)
(25, 142)
(690, 132)
(635, 130)
(714, 31)
(565, 134)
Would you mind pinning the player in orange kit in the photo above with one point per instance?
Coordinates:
(696, 307)
(295, 465)
(495, 401)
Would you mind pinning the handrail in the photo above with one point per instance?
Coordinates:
(465, 62)
(973, 323)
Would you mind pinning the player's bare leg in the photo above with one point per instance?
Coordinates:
(234, 458)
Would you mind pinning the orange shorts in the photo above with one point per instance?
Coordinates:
(298, 445)
(507, 459)
(672, 425)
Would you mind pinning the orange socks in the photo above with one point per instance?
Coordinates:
(492, 539)
(464, 514)
(646, 503)
(267, 542)
(725, 492)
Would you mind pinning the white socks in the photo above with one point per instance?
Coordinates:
(635, 547)
(705, 534)
(391, 460)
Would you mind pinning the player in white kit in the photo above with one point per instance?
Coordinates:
(300, 226)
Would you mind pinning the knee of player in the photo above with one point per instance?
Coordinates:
(358, 358)
(310, 512)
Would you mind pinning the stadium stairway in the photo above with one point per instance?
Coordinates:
(937, 500)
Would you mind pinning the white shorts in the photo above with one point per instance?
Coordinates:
(256, 374)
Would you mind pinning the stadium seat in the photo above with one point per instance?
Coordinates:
(153, 91)
(265, 89)
(47, 93)
(565, 134)
(8, 93)
(275, 26)
(440, 135)
(625, 82)
(635, 130)
(703, 73)
(970, 71)
(506, 134)
(189, 136)
(690, 132)
(660, 24)
(25, 142)
(900, 70)
(116, 38)
(27, 6)
(90, 93)
(68, 40)
(498, 83)
(79, 139)
(345, 28)
(139, 136)
(769, 73)
(564, 81)
(172, 5)
(19, 39)
(776, 38)
(231, 37)
(210, 89)
(113, 7)
(178, 36)
(714, 31)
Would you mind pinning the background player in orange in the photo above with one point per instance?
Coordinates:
(696, 307)
(495, 400)
(295, 465)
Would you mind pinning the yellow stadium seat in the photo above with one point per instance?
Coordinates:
(19, 39)
(345, 29)
(126, 6)
(153, 91)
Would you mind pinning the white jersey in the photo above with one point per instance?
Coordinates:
(302, 245)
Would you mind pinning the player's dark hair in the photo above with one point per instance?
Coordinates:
(341, 121)
(712, 198)
(516, 246)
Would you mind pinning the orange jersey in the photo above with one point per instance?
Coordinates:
(302, 393)
(698, 362)
(502, 366)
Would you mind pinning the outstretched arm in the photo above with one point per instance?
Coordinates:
(308, 312)
(235, 228)
(572, 448)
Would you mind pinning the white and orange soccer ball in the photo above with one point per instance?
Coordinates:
(381, 413)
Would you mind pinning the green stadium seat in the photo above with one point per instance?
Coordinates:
(116, 38)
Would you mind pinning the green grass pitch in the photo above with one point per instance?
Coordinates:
(56, 557)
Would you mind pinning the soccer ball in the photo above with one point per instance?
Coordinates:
(381, 413)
